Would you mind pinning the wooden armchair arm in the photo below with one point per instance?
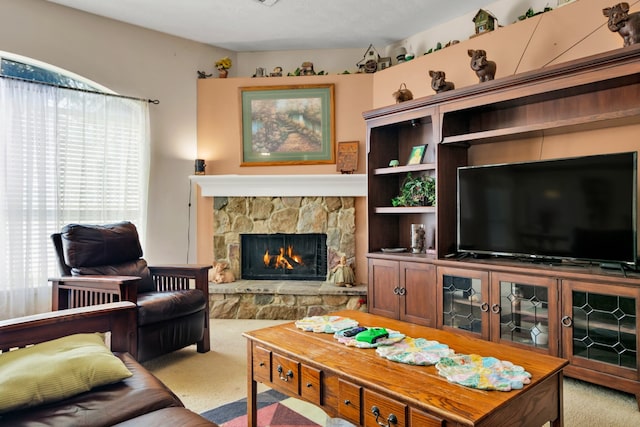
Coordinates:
(170, 277)
(119, 318)
(79, 291)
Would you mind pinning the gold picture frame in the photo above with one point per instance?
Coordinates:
(288, 125)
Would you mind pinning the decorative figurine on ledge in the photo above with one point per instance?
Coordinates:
(221, 273)
(438, 82)
(402, 94)
(624, 23)
(306, 69)
(485, 69)
(342, 275)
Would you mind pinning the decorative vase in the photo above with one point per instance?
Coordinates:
(417, 238)
(223, 73)
(540, 334)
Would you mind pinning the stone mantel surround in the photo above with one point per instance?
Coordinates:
(287, 300)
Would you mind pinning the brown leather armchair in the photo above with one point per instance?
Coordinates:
(103, 263)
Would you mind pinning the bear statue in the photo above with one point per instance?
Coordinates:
(485, 69)
(438, 82)
(624, 23)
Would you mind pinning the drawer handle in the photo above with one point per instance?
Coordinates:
(261, 363)
(347, 402)
(287, 376)
(391, 419)
(309, 385)
(566, 321)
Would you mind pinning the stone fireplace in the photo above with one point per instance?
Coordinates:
(242, 228)
(272, 204)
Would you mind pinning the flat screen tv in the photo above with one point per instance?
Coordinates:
(581, 208)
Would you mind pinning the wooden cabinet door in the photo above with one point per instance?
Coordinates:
(383, 289)
(463, 300)
(525, 311)
(599, 325)
(418, 293)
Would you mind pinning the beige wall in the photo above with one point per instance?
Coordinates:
(574, 31)
(136, 62)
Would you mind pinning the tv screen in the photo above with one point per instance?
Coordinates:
(581, 208)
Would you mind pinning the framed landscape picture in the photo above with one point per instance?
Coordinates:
(417, 153)
(287, 125)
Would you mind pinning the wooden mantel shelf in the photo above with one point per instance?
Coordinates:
(336, 185)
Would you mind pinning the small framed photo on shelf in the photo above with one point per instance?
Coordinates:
(417, 154)
(347, 161)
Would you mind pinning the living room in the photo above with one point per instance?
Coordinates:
(199, 118)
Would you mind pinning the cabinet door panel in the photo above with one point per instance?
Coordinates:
(599, 327)
(418, 293)
(383, 280)
(463, 300)
(527, 311)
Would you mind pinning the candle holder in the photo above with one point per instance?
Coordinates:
(417, 238)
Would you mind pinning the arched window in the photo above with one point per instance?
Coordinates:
(71, 151)
(21, 67)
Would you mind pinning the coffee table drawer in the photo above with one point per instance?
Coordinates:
(422, 419)
(349, 401)
(285, 373)
(311, 385)
(387, 410)
(261, 364)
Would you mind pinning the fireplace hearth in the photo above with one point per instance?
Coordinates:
(283, 256)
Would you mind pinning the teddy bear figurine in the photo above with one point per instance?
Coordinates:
(221, 273)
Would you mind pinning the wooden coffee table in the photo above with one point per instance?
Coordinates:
(356, 384)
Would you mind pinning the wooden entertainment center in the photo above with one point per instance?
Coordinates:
(576, 311)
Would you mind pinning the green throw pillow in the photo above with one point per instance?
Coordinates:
(55, 370)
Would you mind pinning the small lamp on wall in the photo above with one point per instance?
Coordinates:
(200, 166)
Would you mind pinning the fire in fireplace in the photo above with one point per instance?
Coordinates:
(284, 256)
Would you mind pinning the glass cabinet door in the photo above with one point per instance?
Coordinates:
(520, 311)
(463, 300)
(601, 327)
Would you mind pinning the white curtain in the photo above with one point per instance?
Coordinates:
(66, 156)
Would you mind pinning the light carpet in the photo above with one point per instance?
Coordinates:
(210, 380)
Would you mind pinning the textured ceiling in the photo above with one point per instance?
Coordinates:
(250, 25)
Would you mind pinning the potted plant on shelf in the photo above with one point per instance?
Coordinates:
(223, 66)
(416, 191)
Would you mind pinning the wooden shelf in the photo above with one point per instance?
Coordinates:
(405, 209)
(581, 123)
(405, 169)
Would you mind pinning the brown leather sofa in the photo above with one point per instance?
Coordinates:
(140, 400)
(103, 263)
